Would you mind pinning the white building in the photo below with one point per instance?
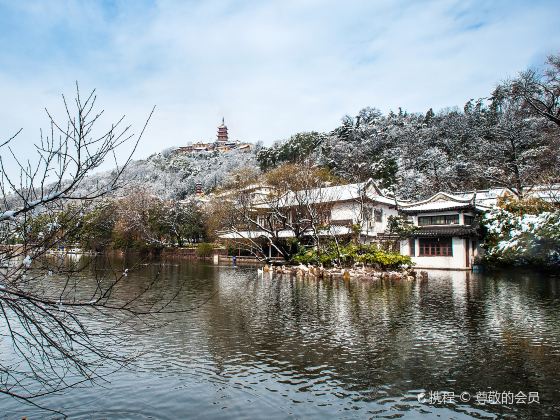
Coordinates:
(490, 197)
(447, 235)
(346, 206)
(339, 210)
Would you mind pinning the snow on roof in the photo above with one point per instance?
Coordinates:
(443, 201)
(246, 234)
(334, 193)
(550, 193)
(335, 231)
(286, 233)
(441, 205)
(490, 196)
(254, 234)
(257, 186)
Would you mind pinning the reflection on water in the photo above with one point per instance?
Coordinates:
(265, 346)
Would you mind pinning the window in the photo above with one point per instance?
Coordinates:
(324, 217)
(447, 219)
(469, 220)
(368, 216)
(435, 247)
(412, 247)
(378, 215)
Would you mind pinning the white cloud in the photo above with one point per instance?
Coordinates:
(270, 68)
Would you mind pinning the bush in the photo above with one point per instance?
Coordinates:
(529, 205)
(526, 239)
(204, 249)
(348, 255)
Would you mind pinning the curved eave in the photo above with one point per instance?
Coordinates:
(438, 210)
(446, 231)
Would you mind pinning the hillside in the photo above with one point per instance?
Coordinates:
(172, 175)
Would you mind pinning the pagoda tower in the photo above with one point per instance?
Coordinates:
(222, 132)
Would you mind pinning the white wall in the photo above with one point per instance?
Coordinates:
(351, 211)
(345, 210)
(455, 262)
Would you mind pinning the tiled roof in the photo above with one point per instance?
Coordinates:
(441, 202)
(436, 206)
(334, 193)
(254, 234)
(457, 230)
(341, 222)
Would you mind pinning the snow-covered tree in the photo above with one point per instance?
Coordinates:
(540, 91)
(512, 151)
(523, 232)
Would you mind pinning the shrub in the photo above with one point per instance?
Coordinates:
(350, 254)
(204, 249)
(401, 226)
(529, 205)
(527, 239)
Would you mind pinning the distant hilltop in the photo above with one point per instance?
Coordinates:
(221, 144)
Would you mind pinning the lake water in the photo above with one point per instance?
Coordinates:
(273, 347)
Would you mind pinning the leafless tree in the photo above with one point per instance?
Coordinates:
(312, 214)
(301, 213)
(293, 213)
(541, 91)
(49, 342)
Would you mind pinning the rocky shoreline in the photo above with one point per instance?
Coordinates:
(359, 273)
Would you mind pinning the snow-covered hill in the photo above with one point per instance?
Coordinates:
(173, 175)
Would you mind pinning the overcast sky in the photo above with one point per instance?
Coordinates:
(271, 68)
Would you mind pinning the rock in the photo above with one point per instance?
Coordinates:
(303, 268)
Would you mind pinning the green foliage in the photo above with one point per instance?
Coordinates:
(55, 228)
(356, 231)
(350, 254)
(204, 249)
(401, 226)
(384, 172)
(528, 239)
(522, 232)
(523, 206)
(327, 257)
(294, 150)
(97, 228)
(139, 223)
(185, 224)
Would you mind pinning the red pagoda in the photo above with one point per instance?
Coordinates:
(222, 132)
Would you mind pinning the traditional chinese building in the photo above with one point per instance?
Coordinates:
(222, 132)
(447, 235)
(340, 211)
(222, 144)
